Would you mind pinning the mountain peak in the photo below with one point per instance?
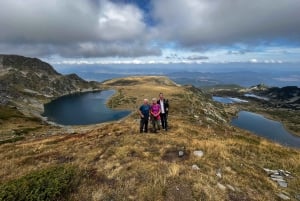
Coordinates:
(26, 64)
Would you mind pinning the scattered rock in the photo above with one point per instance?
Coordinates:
(297, 197)
(282, 184)
(283, 197)
(276, 177)
(118, 133)
(221, 186)
(195, 167)
(198, 153)
(179, 191)
(180, 154)
(279, 176)
(219, 174)
(230, 187)
(277, 172)
(284, 173)
(175, 155)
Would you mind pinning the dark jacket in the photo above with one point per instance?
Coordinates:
(166, 105)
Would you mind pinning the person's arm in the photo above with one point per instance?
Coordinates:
(140, 112)
(151, 112)
(167, 105)
(158, 112)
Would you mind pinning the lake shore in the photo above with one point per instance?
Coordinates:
(290, 118)
(267, 128)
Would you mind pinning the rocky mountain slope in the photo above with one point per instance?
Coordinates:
(286, 97)
(30, 81)
(289, 95)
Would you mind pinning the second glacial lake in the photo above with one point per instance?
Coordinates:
(267, 128)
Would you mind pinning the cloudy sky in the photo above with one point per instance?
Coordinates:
(151, 31)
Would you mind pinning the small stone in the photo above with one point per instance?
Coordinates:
(282, 196)
(195, 167)
(276, 176)
(282, 172)
(276, 179)
(238, 189)
(221, 186)
(70, 131)
(269, 172)
(198, 153)
(287, 172)
(230, 187)
(118, 133)
(297, 197)
(180, 153)
(219, 174)
(282, 184)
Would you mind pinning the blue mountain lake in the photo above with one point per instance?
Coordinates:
(261, 126)
(82, 109)
(264, 127)
(228, 100)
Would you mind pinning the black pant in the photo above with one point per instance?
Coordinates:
(144, 125)
(164, 120)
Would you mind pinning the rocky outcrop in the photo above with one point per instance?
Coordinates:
(285, 97)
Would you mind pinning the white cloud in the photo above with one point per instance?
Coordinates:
(46, 21)
(197, 23)
(68, 21)
(202, 30)
(70, 28)
(120, 22)
(253, 61)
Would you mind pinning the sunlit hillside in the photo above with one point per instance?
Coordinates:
(200, 157)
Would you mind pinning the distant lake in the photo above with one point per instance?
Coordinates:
(228, 100)
(82, 109)
(267, 128)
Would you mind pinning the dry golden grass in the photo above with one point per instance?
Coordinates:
(118, 163)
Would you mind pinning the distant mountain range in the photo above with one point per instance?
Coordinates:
(200, 75)
(242, 78)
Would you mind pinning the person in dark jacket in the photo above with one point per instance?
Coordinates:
(144, 112)
(164, 109)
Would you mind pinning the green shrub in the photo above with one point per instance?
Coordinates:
(12, 140)
(54, 183)
(6, 113)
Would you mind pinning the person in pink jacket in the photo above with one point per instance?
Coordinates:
(155, 115)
